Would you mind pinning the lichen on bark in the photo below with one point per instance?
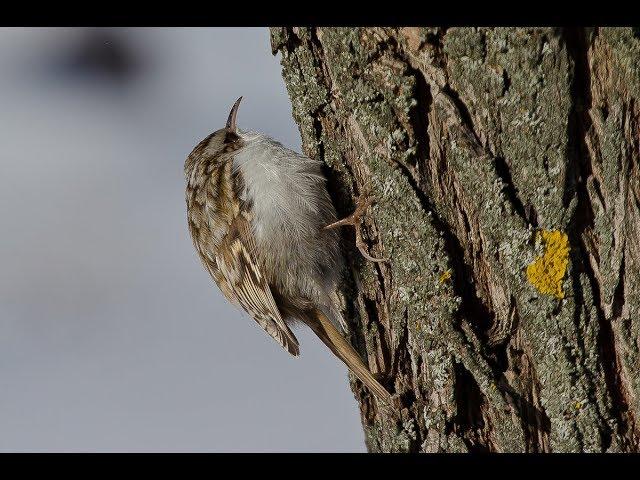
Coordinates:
(472, 140)
(547, 272)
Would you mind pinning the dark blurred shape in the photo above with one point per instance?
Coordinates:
(105, 53)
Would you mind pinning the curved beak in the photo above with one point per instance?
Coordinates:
(231, 122)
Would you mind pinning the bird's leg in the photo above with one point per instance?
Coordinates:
(355, 219)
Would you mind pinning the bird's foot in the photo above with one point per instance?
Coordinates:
(355, 219)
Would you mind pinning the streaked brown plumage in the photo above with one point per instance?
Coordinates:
(263, 224)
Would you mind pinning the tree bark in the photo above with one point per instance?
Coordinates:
(506, 167)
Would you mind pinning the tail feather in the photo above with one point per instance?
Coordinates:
(332, 338)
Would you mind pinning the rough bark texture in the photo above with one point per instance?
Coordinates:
(506, 168)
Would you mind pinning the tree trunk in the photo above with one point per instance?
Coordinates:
(506, 168)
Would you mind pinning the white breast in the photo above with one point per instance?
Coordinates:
(287, 188)
(291, 205)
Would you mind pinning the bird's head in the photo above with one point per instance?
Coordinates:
(217, 145)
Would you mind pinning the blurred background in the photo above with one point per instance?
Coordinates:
(112, 335)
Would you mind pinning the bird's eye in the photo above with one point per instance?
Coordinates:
(231, 137)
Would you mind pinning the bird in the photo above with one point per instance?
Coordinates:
(265, 228)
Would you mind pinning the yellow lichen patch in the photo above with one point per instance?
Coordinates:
(445, 276)
(547, 271)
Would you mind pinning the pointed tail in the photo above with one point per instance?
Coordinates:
(332, 338)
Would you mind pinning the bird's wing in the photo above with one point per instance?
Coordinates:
(244, 281)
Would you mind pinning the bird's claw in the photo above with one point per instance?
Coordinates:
(355, 219)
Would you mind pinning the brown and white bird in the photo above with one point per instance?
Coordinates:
(263, 224)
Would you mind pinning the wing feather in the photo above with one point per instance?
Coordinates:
(239, 269)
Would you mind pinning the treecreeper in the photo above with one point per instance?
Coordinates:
(265, 228)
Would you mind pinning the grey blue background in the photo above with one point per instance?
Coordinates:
(112, 335)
